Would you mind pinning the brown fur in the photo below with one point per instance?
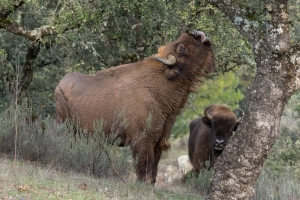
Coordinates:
(138, 90)
(203, 134)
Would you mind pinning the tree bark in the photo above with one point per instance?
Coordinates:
(277, 78)
(34, 35)
(16, 29)
(27, 75)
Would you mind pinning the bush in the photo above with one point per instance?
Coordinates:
(285, 154)
(200, 184)
(45, 142)
(271, 186)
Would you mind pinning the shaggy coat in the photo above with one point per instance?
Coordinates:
(139, 101)
(209, 135)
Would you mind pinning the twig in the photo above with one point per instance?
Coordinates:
(108, 158)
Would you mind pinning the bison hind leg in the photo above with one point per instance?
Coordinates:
(147, 156)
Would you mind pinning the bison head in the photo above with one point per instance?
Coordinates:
(222, 122)
(189, 55)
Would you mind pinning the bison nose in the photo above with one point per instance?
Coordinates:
(219, 145)
(219, 142)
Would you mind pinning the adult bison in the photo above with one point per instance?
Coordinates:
(209, 135)
(157, 87)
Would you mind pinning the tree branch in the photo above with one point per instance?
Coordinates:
(241, 19)
(32, 35)
(6, 10)
(16, 29)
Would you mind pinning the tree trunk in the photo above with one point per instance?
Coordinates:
(32, 53)
(239, 166)
(35, 35)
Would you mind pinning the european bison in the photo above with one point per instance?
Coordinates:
(155, 88)
(209, 135)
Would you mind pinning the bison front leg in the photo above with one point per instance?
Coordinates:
(190, 174)
(147, 161)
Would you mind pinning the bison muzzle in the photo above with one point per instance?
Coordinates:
(157, 86)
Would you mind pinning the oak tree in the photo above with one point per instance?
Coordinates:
(267, 27)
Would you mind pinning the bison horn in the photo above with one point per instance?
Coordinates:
(207, 114)
(240, 118)
(196, 33)
(170, 61)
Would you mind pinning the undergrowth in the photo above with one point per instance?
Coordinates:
(56, 147)
(46, 142)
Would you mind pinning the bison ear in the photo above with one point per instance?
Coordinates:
(206, 121)
(181, 49)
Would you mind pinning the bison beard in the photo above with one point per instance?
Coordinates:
(157, 86)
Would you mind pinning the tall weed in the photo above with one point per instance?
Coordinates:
(56, 145)
(201, 183)
(274, 187)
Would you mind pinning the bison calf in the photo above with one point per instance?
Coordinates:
(209, 135)
(157, 86)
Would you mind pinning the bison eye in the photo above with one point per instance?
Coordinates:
(212, 125)
(232, 128)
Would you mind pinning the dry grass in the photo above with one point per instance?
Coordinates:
(26, 180)
(63, 167)
(23, 180)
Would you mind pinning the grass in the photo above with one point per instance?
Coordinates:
(30, 180)
(23, 180)
(27, 180)
(52, 164)
(274, 187)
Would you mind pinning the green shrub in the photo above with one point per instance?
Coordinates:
(285, 154)
(200, 184)
(50, 144)
(274, 187)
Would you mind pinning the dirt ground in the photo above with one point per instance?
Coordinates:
(169, 170)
